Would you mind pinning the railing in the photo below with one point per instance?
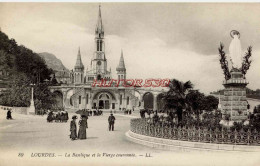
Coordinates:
(240, 81)
(193, 134)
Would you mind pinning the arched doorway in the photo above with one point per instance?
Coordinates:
(58, 99)
(160, 103)
(148, 100)
(99, 77)
(104, 100)
(68, 101)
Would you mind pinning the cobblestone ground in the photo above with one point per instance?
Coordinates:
(30, 134)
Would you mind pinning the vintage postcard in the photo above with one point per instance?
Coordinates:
(121, 83)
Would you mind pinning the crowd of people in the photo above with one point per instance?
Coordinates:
(94, 112)
(128, 111)
(158, 117)
(90, 112)
(59, 116)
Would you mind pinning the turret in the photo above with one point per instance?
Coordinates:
(79, 70)
(121, 70)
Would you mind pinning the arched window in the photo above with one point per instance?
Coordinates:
(79, 99)
(71, 102)
(127, 101)
(121, 99)
(97, 45)
(87, 99)
(100, 45)
(99, 77)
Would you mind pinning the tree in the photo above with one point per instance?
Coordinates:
(43, 97)
(223, 61)
(246, 62)
(175, 98)
(195, 101)
(19, 93)
(210, 103)
(6, 62)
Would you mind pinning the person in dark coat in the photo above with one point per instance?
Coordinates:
(59, 116)
(155, 118)
(9, 114)
(73, 128)
(83, 125)
(62, 117)
(66, 116)
(50, 117)
(111, 122)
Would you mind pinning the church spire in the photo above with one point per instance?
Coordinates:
(99, 26)
(79, 64)
(121, 65)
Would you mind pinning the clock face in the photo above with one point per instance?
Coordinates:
(99, 63)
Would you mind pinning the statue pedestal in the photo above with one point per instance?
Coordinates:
(234, 101)
(31, 110)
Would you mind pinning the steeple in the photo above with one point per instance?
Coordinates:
(121, 65)
(121, 70)
(99, 26)
(98, 69)
(79, 64)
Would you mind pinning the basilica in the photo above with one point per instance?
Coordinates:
(79, 92)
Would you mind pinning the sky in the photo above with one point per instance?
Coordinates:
(159, 40)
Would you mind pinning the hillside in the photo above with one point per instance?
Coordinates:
(53, 62)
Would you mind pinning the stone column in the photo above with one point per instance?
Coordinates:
(89, 102)
(31, 108)
(124, 101)
(117, 106)
(83, 102)
(110, 105)
(64, 98)
(142, 104)
(118, 102)
(155, 102)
